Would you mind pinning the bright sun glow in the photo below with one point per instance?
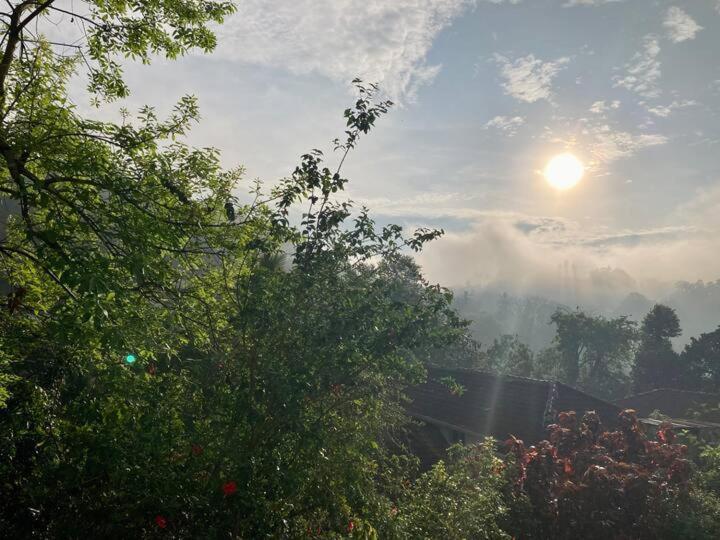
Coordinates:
(564, 171)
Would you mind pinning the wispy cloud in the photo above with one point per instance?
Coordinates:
(573, 3)
(680, 26)
(610, 145)
(385, 42)
(528, 78)
(600, 107)
(643, 70)
(663, 111)
(508, 124)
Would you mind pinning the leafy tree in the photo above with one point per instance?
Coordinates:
(508, 355)
(160, 373)
(255, 401)
(594, 352)
(701, 362)
(657, 365)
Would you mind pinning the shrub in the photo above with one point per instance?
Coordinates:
(455, 500)
(584, 482)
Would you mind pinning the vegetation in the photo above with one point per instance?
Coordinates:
(589, 483)
(177, 362)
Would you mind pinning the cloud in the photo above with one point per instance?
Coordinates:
(573, 3)
(528, 78)
(379, 41)
(567, 261)
(508, 124)
(680, 26)
(610, 145)
(663, 111)
(600, 107)
(643, 70)
(603, 141)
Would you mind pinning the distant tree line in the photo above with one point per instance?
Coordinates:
(610, 357)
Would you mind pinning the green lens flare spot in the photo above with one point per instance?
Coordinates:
(130, 358)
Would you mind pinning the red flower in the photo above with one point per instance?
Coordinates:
(229, 488)
(351, 526)
(196, 449)
(160, 521)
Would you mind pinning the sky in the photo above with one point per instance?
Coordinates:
(486, 92)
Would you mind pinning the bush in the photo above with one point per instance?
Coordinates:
(584, 482)
(455, 500)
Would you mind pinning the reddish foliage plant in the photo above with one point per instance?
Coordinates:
(584, 482)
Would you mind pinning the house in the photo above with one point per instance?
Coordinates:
(463, 405)
(674, 403)
(695, 412)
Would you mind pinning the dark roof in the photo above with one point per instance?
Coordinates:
(671, 402)
(499, 405)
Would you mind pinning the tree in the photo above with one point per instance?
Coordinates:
(657, 365)
(594, 352)
(508, 355)
(158, 372)
(701, 362)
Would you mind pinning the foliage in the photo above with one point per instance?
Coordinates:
(458, 500)
(162, 374)
(595, 352)
(585, 482)
(656, 363)
(702, 518)
(701, 361)
(508, 355)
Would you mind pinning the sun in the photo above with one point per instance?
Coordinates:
(564, 171)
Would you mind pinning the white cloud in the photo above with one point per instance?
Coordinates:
(528, 78)
(643, 70)
(610, 145)
(379, 41)
(600, 107)
(680, 26)
(553, 256)
(508, 124)
(663, 111)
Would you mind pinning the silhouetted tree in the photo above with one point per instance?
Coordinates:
(509, 355)
(657, 365)
(702, 360)
(594, 352)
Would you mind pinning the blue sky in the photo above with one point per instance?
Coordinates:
(488, 91)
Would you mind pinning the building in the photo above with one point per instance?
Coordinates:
(674, 403)
(696, 412)
(462, 405)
